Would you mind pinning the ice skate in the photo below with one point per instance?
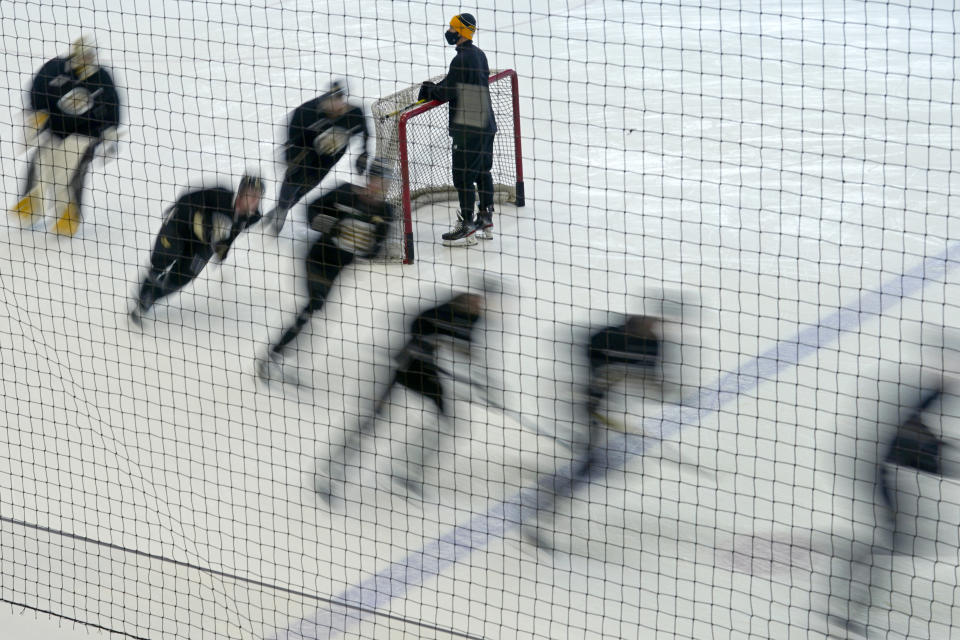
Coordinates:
(462, 235)
(412, 485)
(268, 368)
(324, 489)
(535, 542)
(484, 223)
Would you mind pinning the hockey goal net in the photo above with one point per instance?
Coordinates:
(414, 138)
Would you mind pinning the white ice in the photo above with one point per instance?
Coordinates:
(773, 162)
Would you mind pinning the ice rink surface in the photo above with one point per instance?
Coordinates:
(781, 173)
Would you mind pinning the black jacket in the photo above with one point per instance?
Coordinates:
(467, 88)
(86, 107)
(309, 121)
(614, 345)
(447, 320)
(204, 221)
(350, 221)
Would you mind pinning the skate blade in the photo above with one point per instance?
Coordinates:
(469, 241)
(270, 373)
(407, 487)
(485, 234)
(69, 220)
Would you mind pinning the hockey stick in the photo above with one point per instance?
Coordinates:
(621, 427)
(402, 109)
(516, 415)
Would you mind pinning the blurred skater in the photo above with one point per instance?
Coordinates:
(353, 221)
(914, 448)
(318, 135)
(617, 353)
(74, 109)
(448, 326)
(201, 225)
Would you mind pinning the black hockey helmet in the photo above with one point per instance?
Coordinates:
(253, 182)
(338, 89)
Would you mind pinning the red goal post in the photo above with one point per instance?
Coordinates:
(414, 138)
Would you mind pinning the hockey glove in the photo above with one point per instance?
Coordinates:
(362, 160)
(221, 251)
(332, 141)
(322, 222)
(426, 90)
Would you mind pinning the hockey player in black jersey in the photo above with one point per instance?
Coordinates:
(201, 225)
(318, 135)
(353, 222)
(631, 350)
(74, 109)
(472, 126)
(449, 325)
(913, 448)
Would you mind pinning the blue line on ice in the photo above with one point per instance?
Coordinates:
(377, 591)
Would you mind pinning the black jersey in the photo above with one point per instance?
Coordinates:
(205, 221)
(467, 88)
(614, 345)
(86, 107)
(914, 446)
(311, 129)
(451, 321)
(351, 221)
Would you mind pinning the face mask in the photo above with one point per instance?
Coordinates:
(452, 37)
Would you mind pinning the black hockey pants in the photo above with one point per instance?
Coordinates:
(324, 264)
(173, 264)
(304, 172)
(472, 162)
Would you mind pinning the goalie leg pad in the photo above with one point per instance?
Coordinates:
(29, 205)
(68, 220)
(66, 159)
(33, 205)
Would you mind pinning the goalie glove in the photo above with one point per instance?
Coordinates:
(426, 90)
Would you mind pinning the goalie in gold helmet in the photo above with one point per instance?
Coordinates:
(74, 109)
